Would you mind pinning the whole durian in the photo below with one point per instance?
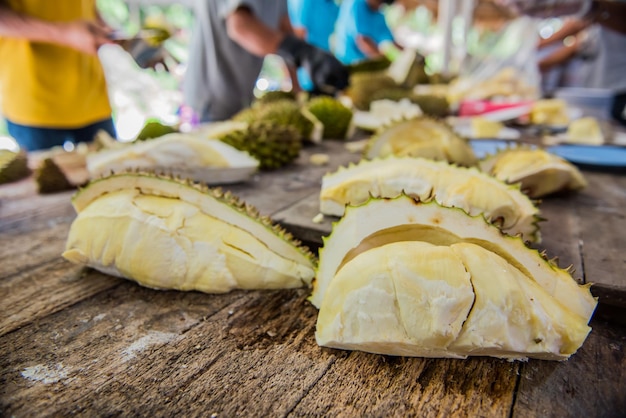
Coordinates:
(273, 144)
(276, 95)
(13, 166)
(364, 85)
(284, 112)
(335, 117)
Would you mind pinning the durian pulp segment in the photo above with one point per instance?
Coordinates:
(163, 242)
(421, 137)
(449, 185)
(585, 131)
(417, 299)
(404, 298)
(209, 201)
(512, 315)
(539, 172)
(364, 227)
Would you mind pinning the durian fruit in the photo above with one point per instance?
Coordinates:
(585, 131)
(408, 69)
(13, 166)
(272, 144)
(369, 65)
(166, 233)
(276, 95)
(431, 105)
(549, 112)
(154, 129)
(466, 188)
(285, 113)
(182, 154)
(384, 112)
(363, 86)
(485, 128)
(333, 114)
(50, 178)
(538, 171)
(400, 277)
(421, 137)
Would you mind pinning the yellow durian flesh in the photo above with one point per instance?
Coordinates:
(538, 172)
(151, 230)
(421, 137)
(449, 185)
(411, 298)
(404, 298)
(383, 221)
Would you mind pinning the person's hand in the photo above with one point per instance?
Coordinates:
(85, 36)
(326, 72)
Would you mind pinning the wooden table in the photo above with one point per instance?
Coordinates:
(78, 342)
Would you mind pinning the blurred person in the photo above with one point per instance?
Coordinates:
(361, 30)
(52, 84)
(314, 22)
(229, 42)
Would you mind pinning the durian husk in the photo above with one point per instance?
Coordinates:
(334, 116)
(467, 188)
(51, 179)
(539, 172)
(424, 137)
(167, 233)
(13, 166)
(272, 144)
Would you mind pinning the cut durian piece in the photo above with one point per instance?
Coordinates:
(51, 179)
(585, 131)
(383, 221)
(13, 166)
(170, 234)
(552, 112)
(384, 112)
(466, 188)
(180, 154)
(421, 137)
(413, 298)
(539, 172)
(484, 128)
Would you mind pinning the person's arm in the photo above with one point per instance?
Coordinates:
(570, 27)
(252, 34)
(81, 35)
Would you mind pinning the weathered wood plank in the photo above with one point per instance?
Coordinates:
(361, 384)
(592, 383)
(46, 289)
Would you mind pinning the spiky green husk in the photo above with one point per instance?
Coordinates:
(364, 85)
(154, 130)
(333, 114)
(281, 112)
(369, 65)
(274, 96)
(273, 144)
(50, 178)
(13, 166)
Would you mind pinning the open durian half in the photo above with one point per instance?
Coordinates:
(401, 277)
(172, 234)
(466, 188)
(182, 154)
(539, 172)
(421, 136)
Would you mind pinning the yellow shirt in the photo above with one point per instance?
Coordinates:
(48, 85)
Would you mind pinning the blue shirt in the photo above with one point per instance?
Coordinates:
(318, 18)
(355, 19)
